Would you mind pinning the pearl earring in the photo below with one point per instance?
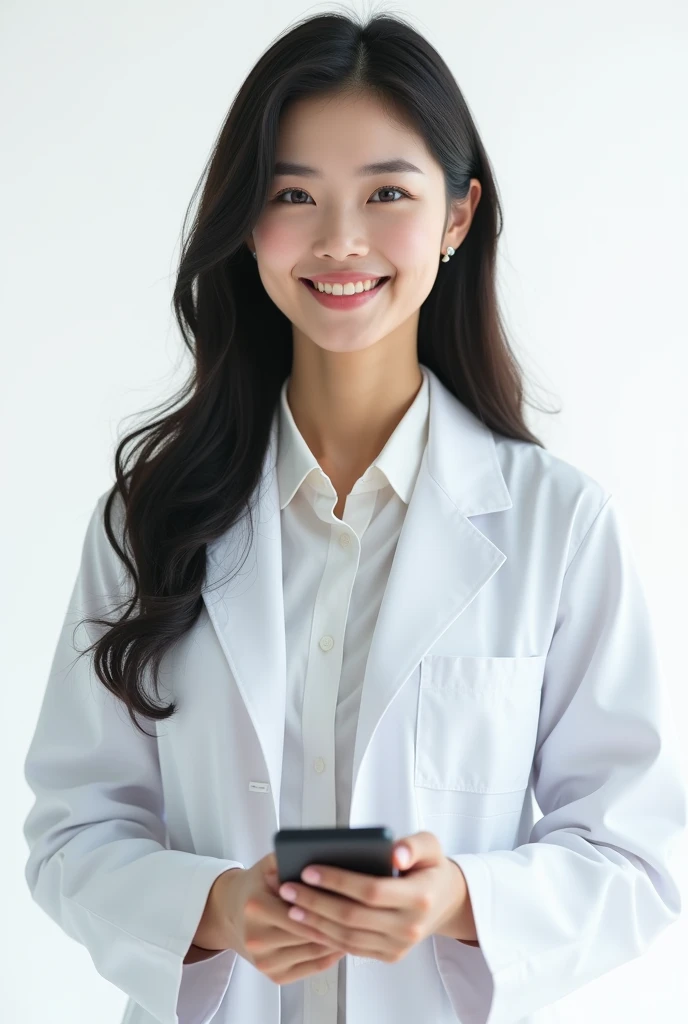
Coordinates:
(445, 259)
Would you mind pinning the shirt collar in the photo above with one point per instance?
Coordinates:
(397, 464)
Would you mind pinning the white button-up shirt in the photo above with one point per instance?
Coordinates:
(334, 576)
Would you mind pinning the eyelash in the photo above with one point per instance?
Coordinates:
(382, 188)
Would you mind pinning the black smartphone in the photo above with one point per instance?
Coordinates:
(368, 850)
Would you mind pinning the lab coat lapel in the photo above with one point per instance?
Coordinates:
(248, 615)
(441, 562)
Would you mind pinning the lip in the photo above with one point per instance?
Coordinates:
(344, 301)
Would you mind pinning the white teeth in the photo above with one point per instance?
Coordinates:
(350, 288)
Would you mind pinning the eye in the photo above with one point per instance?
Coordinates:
(383, 188)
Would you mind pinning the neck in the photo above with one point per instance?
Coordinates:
(346, 413)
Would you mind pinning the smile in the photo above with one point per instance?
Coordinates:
(343, 301)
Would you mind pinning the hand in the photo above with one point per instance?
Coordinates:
(383, 917)
(252, 919)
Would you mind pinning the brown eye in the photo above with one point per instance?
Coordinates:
(297, 191)
(300, 191)
(391, 188)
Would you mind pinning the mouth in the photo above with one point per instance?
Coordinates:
(310, 284)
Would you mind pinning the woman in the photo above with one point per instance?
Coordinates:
(434, 622)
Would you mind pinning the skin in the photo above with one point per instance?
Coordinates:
(383, 918)
(343, 912)
(354, 373)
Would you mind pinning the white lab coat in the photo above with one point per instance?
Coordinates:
(513, 669)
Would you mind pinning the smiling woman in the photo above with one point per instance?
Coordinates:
(439, 622)
(369, 128)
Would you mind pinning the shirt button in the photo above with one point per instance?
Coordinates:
(344, 539)
(327, 643)
(319, 764)
(319, 985)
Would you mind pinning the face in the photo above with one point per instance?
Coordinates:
(391, 223)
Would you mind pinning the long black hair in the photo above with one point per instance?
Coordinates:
(193, 471)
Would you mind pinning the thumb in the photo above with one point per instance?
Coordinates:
(270, 873)
(403, 857)
(272, 881)
(419, 850)
(269, 863)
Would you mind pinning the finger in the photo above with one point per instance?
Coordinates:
(296, 970)
(424, 851)
(385, 936)
(340, 918)
(308, 935)
(272, 881)
(273, 912)
(370, 890)
(269, 862)
(276, 937)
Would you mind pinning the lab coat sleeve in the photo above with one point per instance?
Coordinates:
(596, 883)
(98, 860)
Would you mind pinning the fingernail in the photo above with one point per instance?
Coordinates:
(403, 856)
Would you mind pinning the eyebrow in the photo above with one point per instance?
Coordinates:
(395, 166)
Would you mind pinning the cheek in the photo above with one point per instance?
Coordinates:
(409, 230)
(409, 244)
(278, 243)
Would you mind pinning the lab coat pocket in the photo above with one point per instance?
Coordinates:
(477, 722)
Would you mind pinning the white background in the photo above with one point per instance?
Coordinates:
(109, 114)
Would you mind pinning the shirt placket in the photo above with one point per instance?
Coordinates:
(323, 673)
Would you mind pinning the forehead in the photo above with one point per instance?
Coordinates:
(346, 134)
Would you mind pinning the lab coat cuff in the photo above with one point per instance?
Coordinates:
(200, 986)
(203, 986)
(172, 991)
(479, 980)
